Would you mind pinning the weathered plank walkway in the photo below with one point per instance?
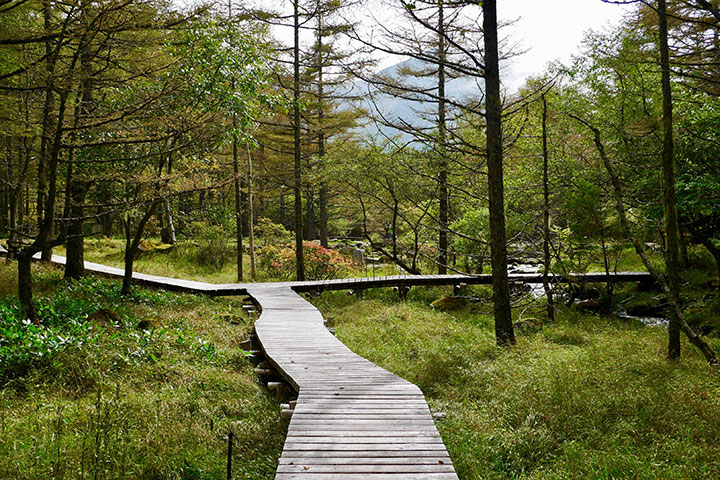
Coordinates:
(353, 420)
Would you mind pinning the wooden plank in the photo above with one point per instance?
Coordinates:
(355, 469)
(288, 460)
(367, 476)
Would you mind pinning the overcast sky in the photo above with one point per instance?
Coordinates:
(553, 29)
(547, 29)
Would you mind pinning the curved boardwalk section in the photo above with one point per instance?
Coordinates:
(353, 420)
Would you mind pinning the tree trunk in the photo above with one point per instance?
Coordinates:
(132, 244)
(48, 103)
(504, 331)
(297, 172)
(443, 187)
(251, 227)
(669, 203)
(310, 214)
(75, 241)
(682, 243)
(25, 293)
(167, 234)
(322, 200)
(323, 206)
(127, 277)
(394, 227)
(3, 211)
(238, 210)
(546, 219)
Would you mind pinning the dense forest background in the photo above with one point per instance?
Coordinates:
(142, 120)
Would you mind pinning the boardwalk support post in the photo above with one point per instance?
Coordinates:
(231, 434)
(403, 290)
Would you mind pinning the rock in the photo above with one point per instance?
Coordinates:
(592, 305)
(105, 318)
(529, 325)
(145, 325)
(646, 309)
(450, 303)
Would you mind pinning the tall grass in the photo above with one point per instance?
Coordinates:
(133, 403)
(585, 397)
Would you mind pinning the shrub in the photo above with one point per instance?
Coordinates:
(270, 233)
(320, 262)
(212, 248)
(24, 345)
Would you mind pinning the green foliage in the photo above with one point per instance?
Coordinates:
(474, 226)
(212, 247)
(24, 345)
(269, 233)
(224, 66)
(132, 404)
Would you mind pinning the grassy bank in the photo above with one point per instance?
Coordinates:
(102, 398)
(585, 397)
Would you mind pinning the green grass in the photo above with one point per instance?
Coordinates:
(134, 404)
(585, 397)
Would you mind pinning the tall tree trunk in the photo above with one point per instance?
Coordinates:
(504, 332)
(25, 285)
(297, 172)
(45, 231)
(251, 227)
(236, 184)
(669, 203)
(546, 219)
(46, 254)
(394, 227)
(310, 213)
(322, 200)
(75, 260)
(238, 210)
(443, 193)
(323, 207)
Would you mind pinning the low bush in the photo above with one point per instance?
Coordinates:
(212, 249)
(320, 262)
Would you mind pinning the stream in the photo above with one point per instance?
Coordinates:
(537, 290)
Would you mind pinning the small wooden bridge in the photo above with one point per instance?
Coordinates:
(352, 419)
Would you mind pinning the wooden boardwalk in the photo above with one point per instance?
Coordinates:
(353, 420)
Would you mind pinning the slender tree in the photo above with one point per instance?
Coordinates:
(504, 331)
(669, 201)
(546, 216)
